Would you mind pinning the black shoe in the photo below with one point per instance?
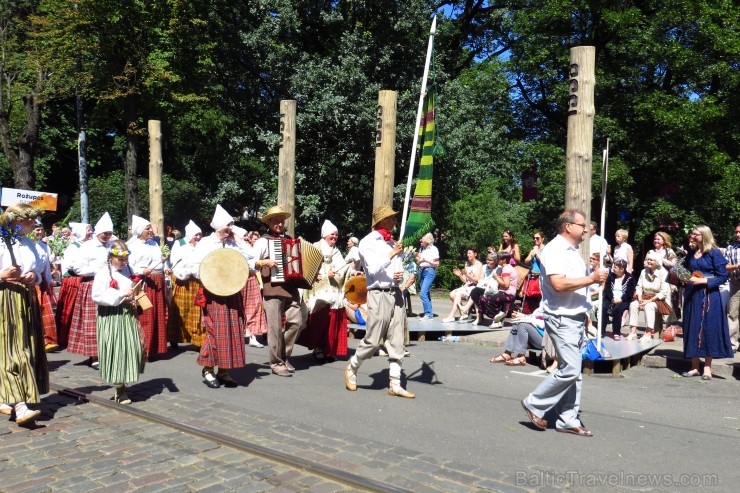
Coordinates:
(210, 379)
(226, 380)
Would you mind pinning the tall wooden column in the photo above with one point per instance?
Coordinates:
(286, 158)
(156, 211)
(385, 149)
(579, 150)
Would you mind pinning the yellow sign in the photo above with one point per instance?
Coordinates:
(39, 200)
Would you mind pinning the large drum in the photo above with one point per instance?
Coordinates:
(224, 272)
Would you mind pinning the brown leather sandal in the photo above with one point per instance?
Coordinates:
(501, 358)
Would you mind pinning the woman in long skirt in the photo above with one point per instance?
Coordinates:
(120, 352)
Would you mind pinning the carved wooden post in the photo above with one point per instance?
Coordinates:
(579, 167)
(385, 149)
(286, 157)
(156, 212)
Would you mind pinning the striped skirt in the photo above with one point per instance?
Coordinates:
(65, 307)
(47, 314)
(326, 329)
(223, 345)
(154, 320)
(119, 344)
(24, 374)
(254, 310)
(183, 318)
(83, 337)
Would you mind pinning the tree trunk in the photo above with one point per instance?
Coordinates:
(132, 147)
(21, 157)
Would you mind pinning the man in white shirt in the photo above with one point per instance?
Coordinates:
(381, 261)
(597, 244)
(565, 303)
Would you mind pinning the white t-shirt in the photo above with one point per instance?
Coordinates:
(561, 258)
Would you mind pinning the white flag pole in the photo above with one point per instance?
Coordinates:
(604, 179)
(419, 112)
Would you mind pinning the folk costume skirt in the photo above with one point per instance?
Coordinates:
(65, 307)
(184, 318)
(119, 344)
(224, 322)
(254, 310)
(326, 329)
(154, 320)
(48, 320)
(83, 337)
(24, 374)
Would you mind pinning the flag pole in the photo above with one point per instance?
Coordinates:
(422, 94)
(604, 179)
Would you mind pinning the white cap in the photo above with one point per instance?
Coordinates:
(191, 230)
(137, 225)
(328, 228)
(239, 232)
(79, 230)
(104, 224)
(221, 218)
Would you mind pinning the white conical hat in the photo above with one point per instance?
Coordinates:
(221, 218)
(137, 225)
(328, 228)
(238, 232)
(79, 230)
(191, 230)
(104, 224)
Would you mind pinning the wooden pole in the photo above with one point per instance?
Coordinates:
(579, 168)
(156, 211)
(385, 149)
(286, 157)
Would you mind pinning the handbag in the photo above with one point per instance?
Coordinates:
(663, 307)
(669, 334)
(589, 351)
(532, 290)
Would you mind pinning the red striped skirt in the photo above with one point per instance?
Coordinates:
(83, 338)
(254, 310)
(326, 329)
(154, 320)
(65, 307)
(47, 314)
(223, 345)
(183, 319)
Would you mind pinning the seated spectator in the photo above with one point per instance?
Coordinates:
(618, 292)
(528, 331)
(472, 272)
(651, 286)
(486, 285)
(510, 246)
(356, 313)
(496, 306)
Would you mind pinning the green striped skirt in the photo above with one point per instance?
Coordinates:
(120, 351)
(24, 374)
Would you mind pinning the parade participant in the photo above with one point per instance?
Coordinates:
(428, 260)
(222, 316)
(565, 305)
(353, 255)
(705, 332)
(281, 299)
(183, 317)
(24, 374)
(119, 344)
(91, 257)
(326, 327)
(146, 261)
(45, 290)
(381, 261)
(254, 311)
(81, 232)
(732, 255)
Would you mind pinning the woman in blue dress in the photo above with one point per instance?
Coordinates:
(705, 331)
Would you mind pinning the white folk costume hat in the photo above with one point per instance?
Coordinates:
(137, 225)
(328, 228)
(274, 211)
(79, 230)
(221, 218)
(191, 230)
(238, 232)
(382, 212)
(104, 224)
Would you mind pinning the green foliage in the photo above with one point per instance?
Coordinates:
(445, 279)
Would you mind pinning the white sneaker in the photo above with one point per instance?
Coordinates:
(253, 342)
(499, 316)
(382, 352)
(448, 320)
(496, 325)
(631, 337)
(646, 338)
(465, 319)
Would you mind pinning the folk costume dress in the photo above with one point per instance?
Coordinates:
(326, 327)
(148, 255)
(222, 316)
(184, 317)
(120, 350)
(45, 294)
(24, 374)
(92, 257)
(705, 330)
(254, 309)
(70, 285)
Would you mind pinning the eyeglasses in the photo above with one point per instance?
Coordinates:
(536, 237)
(582, 225)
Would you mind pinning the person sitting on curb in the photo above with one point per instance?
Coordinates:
(527, 331)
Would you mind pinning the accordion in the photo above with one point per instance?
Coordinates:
(298, 262)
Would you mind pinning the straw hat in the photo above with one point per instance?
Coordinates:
(274, 211)
(382, 212)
